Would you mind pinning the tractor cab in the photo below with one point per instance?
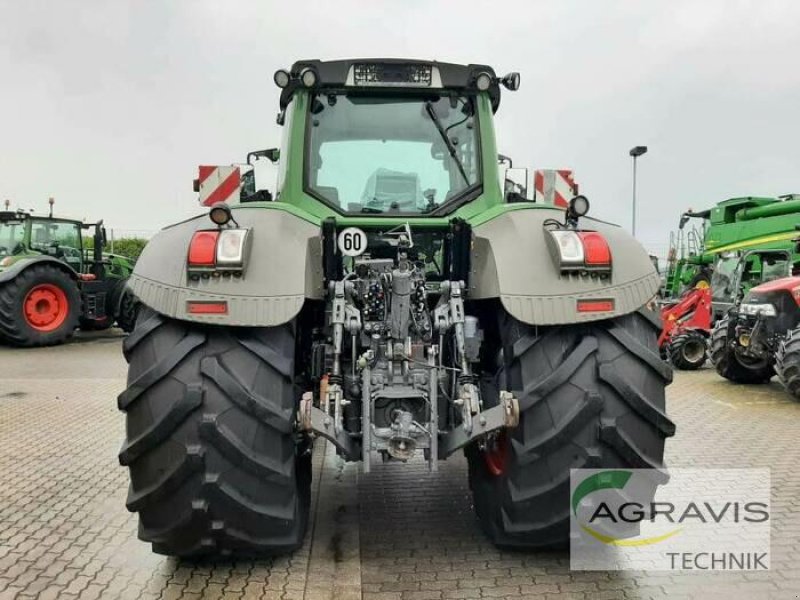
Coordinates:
(23, 235)
(734, 275)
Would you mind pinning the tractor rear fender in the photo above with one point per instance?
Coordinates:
(511, 261)
(22, 264)
(283, 268)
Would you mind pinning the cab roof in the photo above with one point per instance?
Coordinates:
(21, 215)
(398, 75)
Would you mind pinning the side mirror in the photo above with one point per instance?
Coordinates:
(515, 185)
(272, 154)
(104, 235)
(248, 185)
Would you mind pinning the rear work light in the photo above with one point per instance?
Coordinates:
(218, 250)
(579, 250)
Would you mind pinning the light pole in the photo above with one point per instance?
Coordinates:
(635, 152)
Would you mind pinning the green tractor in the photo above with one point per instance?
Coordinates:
(395, 301)
(50, 284)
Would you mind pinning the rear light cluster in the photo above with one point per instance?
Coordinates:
(580, 251)
(218, 251)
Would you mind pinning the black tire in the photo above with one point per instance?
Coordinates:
(787, 363)
(729, 365)
(591, 396)
(688, 351)
(15, 327)
(128, 309)
(215, 465)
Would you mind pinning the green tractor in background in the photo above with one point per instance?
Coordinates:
(50, 284)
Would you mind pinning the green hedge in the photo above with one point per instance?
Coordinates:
(129, 247)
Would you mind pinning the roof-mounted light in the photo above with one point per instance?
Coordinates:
(281, 78)
(308, 77)
(483, 81)
(511, 81)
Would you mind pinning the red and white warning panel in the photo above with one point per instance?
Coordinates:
(554, 186)
(218, 184)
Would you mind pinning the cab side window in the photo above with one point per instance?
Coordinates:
(60, 240)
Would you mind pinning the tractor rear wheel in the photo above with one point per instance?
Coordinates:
(40, 307)
(729, 365)
(787, 363)
(590, 396)
(688, 351)
(216, 467)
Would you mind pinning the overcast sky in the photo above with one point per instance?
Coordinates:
(110, 106)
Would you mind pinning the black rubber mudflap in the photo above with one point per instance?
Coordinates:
(210, 439)
(591, 396)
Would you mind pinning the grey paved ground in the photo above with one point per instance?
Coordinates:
(398, 533)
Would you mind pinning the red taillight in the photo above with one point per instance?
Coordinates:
(206, 308)
(595, 249)
(203, 249)
(595, 305)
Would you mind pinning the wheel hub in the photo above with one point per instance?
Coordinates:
(45, 307)
(694, 351)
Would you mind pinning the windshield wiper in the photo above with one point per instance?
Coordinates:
(369, 209)
(450, 147)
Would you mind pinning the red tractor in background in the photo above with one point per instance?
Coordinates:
(686, 329)
(761, 337)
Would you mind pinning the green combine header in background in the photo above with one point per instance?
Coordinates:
(727, 231)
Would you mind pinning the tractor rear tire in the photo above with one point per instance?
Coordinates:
(787, 364)
(216, 467)
(728, 364)
(40, 307)
(590, 396)
(688, 351)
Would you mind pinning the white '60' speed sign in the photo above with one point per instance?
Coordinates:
(352, 241)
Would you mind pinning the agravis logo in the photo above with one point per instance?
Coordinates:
(689, 519)
(611, 480)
